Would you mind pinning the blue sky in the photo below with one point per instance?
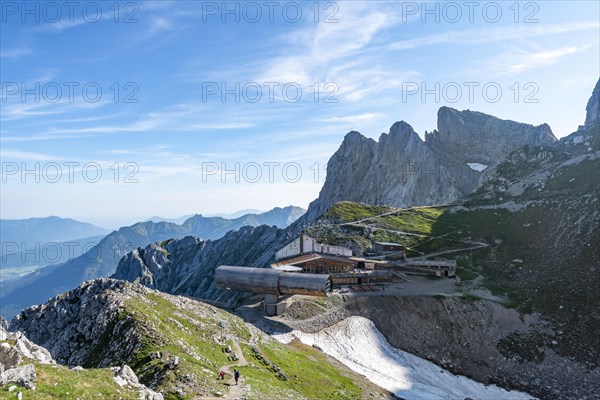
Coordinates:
(164, 123)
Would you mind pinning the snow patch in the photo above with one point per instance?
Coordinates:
(477, 166)
(358, 344)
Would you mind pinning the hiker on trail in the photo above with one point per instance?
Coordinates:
(236, 375)
(222, 375)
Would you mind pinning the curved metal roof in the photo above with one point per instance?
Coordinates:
(271, 281)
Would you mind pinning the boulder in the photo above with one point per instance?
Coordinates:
(125, 376)
(3, 328)
(9, 356)
(24, 376)
(30, 350)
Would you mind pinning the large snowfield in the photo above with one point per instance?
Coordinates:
(359, 345)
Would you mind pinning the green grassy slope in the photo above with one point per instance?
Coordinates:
(56, 382)
(194, 333)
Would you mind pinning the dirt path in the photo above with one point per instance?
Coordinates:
(439, 253)
(235, 391)
(361, 225)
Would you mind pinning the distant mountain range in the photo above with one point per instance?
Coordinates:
(30, 243)
(49, 229)
(232, 215)
(178, 221)
(101, 260)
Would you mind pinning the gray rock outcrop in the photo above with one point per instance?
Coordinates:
(125, 377)
(12, 354)
(9, 356)
(186, 266)
(24, 376)
(402, 170)
(30, 350)
(3, 328)
(482, 138)
(85, 316)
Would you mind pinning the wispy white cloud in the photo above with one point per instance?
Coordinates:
(158, 23)
(219, 126)
(10, 154)
(16, 52)
(22, 110)
(337, 52)
(74, 120)
(61, 25)
(487, 35)
(520, 61)
(179, 118)
(354, 118)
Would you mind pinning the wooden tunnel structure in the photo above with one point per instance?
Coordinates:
(272, 283)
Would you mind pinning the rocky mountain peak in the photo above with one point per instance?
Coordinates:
(593, 107)
(354, 136)
(401, 132)
(354, 141)
(483, 137)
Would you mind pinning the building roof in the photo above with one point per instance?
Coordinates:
(285, 267)
(314, 256)
(369, 260)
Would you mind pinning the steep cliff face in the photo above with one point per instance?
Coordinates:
(346, 172)
(402, 170)
(406, 172)
(481, 138)
(465, 137)
(593, 107)
(186, 266)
